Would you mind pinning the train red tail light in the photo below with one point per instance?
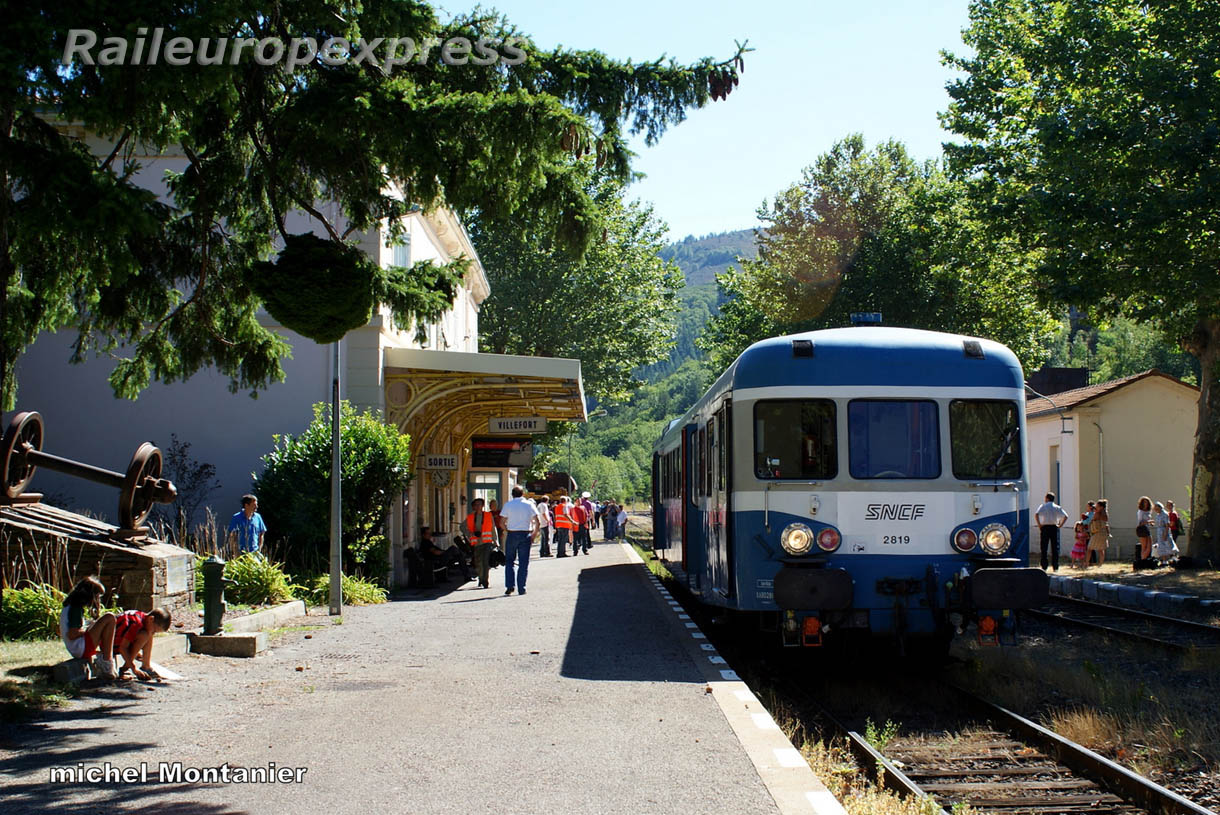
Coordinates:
(965, 540)
(829, 539)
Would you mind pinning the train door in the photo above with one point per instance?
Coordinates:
(658, 511)
(689, 456)
(718, 509)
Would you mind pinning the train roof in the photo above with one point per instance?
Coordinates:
(867, 357)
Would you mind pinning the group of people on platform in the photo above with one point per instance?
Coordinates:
(1157, 526)
(511, 530)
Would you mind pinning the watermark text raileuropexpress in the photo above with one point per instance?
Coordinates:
(387, 53)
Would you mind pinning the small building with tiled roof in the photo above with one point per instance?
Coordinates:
(1116, 440)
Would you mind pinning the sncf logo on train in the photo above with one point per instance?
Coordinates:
(894, 512)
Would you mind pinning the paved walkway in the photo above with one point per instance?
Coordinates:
(581, 697)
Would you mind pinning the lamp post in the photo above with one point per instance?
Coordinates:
(598, 412)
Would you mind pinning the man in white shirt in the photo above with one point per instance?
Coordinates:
(543, 505)
(519, 521)
(1050, 517)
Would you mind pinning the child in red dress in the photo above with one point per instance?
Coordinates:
(1081, 549)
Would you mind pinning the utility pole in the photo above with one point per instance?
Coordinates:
(336, 498)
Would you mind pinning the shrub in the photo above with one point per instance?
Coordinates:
(31, 613)
(356, 591)
(256, 580)
(294, 489)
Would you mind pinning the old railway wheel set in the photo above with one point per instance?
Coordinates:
(140, 487)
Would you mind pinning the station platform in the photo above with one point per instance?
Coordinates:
(590, 694)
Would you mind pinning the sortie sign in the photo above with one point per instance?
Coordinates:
(442, 461)
(520, 424)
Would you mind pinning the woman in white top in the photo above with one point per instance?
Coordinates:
(1143, 526)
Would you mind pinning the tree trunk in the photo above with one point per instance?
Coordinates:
(1205, 482)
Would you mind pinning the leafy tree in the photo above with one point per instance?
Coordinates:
(617, 451)
(612, 308)
(172, 286)
(1090, 139)
(294, 489)
(1122, 347)
(876, 231)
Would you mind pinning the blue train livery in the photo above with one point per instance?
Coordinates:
(859, 479)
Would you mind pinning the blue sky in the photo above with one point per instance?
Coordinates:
(822, 69)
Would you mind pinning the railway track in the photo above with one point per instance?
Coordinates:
(996, 762)
(952, 746)
(1166, 632)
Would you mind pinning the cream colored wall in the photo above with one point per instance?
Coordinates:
(1149, 429)
(1044, 433)
(1144, 446)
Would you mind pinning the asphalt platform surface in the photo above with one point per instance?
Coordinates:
(579, 697)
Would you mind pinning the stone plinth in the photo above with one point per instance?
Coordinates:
(41, 543)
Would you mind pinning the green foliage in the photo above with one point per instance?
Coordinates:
(171, 287)
(879, 737)
(1089, 139)
(615, 451)
(357, 591)
(31, 613)
(1089, 135)
(256, 581)
(701, 259)
(1120, 348)
(613, 308)
(875, 231)
(294, 488)
(319, 288)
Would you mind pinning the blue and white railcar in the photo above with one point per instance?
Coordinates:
(856, 478)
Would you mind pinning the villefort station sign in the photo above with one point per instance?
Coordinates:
(521, 424)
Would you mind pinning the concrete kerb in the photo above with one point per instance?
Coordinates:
(267, 618)
(1154, 600)
(783, 770)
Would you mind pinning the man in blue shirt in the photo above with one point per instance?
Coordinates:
(246, 526)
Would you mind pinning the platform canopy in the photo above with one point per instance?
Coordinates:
(444, 398)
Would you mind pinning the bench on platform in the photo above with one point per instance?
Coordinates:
(423, 572)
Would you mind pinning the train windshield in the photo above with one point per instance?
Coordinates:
(893, 439)
(985, 439)
(795, 438)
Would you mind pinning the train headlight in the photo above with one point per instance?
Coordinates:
(829, 539)
(797, 539)
(996, 539)
(965, 540)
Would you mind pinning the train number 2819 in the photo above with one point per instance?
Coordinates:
(898, 539)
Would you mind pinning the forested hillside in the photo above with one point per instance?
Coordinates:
(703, 258)
(700, 259)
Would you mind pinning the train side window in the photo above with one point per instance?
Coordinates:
(985, 438)
(721, 452)
(893, 438)
(795, 438)
(700, 457)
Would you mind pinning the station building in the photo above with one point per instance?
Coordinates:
(448, 397)
(1116, 440)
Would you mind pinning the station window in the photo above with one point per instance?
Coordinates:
(985, 438)
(795, 438)
(893, 439)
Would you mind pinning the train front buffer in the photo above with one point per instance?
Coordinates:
(979, 580)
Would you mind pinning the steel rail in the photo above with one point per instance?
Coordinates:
(1114, 777)
(1188, 627)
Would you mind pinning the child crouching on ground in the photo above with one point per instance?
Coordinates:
(98, 637)
(134, 631)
